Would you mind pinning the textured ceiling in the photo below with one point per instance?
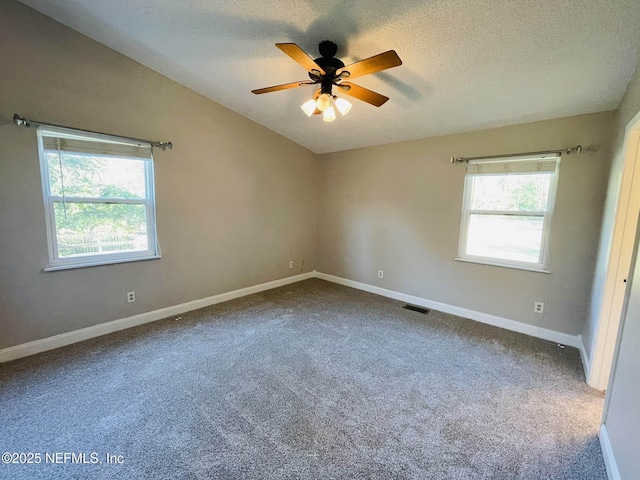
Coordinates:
(468, 64)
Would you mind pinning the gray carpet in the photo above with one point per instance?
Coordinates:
(311, 380)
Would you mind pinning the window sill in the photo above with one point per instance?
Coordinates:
(503, 265)
(72, 266)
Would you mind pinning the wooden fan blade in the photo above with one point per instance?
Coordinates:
(295, 52)
(364, 94)
(285, 86)
(373, 64)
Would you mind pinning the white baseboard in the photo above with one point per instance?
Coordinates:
(513, 325)
(37, 346)
(586, 363)
(607, 452)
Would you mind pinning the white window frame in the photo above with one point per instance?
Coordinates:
(543, 264)
(63, 263)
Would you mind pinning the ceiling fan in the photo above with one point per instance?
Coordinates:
(329, 71)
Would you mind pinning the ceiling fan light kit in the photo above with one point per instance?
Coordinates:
(320, 105)
(329, 71)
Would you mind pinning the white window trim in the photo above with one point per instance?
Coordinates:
(544, 265)
(57, 263)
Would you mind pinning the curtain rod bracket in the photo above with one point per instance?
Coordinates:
(163, 145)
(19, 121)
(24, 122)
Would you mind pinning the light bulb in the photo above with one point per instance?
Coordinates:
(323, 102)
(329, 115)
(343, 106)
(309, 107)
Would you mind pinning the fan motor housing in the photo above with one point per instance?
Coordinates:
(329, 64)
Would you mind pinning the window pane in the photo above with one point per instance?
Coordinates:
(511, 192)
(96, 176)
(99, 228)
(505, 237)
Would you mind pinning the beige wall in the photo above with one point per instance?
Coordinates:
(235, 201)
(397, 208)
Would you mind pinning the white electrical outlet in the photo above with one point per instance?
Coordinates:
(291, 264)
(131, 297)
(538, 307)
(380, 273)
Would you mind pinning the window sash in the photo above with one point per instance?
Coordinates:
(107, 200)
(542, 254)
(515, 213)
(57, 259)
(467, 212)
(57, 262)
(146, 160)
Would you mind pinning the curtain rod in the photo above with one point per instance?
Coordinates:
(567, 151)
(23, 122)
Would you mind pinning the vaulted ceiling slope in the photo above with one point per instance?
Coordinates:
(468, 64)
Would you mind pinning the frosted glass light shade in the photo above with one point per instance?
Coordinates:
(309, 107)
(323, 102)
(329, 115)
(343, 106)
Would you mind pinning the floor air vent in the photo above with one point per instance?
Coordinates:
(415, 308)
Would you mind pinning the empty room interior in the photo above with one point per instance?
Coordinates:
(304, 239)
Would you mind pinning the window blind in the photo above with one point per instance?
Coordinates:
(515, 165)
(52, 141)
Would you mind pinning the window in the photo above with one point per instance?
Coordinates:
(506, 211)
(99, 199)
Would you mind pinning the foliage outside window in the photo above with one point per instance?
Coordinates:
(506, 212)
(99, 199)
